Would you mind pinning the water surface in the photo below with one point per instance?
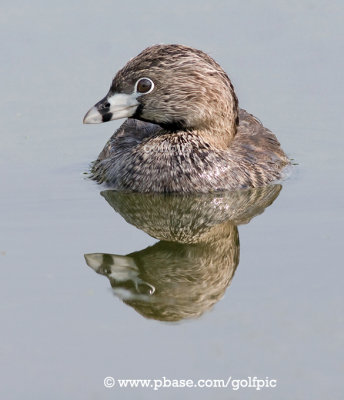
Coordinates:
(276, 311)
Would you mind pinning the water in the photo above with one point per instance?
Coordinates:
(64, 326)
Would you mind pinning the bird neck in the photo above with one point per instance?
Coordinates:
(219, 132)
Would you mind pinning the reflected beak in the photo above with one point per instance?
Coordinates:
(112, 106)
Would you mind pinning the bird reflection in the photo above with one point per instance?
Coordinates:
(188, 270)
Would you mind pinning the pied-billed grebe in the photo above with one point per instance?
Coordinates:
(185, 131)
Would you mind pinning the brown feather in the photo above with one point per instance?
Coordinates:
(192, 136)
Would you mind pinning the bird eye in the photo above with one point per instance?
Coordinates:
(144, 85)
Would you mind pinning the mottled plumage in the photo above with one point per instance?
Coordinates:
(185, 135)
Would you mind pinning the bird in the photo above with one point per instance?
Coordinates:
(184, 131)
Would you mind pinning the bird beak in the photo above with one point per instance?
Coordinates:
(112, 106)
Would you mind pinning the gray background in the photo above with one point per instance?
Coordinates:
(62, 330)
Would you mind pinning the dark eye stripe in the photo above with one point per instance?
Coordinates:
(144, 85)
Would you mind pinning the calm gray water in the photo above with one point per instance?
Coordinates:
(64, 327)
